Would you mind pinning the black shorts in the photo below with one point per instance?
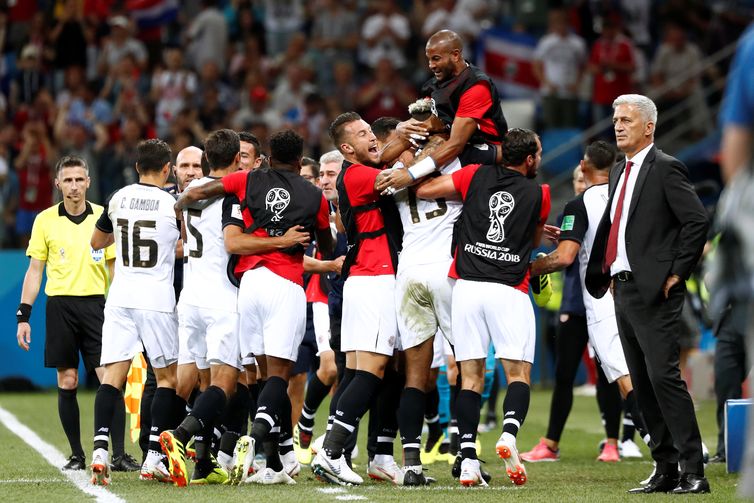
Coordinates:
(74, 325)
(484, 154)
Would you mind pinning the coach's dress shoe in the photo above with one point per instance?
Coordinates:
(659, 483)
(692, 483)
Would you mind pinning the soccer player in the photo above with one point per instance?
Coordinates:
(140, 307)
(251, 152)
(280, 211)
(77, 279)
(503, 215)
(580, 220)
(369, 326)
(422, 301)
(207, 315)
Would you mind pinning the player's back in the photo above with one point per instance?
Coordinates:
(146, 232)
(427, 225)
(205, 278)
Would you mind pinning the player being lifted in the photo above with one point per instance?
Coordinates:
(140, 307)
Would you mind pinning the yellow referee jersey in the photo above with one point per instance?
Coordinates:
(62, 241)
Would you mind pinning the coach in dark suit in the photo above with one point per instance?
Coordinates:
(649, 240)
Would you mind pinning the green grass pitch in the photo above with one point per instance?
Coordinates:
(26, 476)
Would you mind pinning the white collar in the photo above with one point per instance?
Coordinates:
(638, 159)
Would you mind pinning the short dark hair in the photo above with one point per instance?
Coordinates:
(286, 146)
(337, 126)
(600, 154)
(247, 137)
(518, 144)
(152, 155)
(221, 148)
(308, 161)
(70, 161)
(383, 126)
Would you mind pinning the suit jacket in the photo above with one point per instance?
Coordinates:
(665, 232)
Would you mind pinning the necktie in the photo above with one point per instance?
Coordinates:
(612, 239)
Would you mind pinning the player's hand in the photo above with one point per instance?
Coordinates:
(24, 335)
(552, 232)
(296, 235)
(337, 264)
(672, 281)
(392, 180)
(412, 130)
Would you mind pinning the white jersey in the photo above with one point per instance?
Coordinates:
(594, 204)
(205, 276)
(427, 225)
(146, 231)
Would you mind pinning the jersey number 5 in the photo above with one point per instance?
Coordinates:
(195, 232)
(138, 243)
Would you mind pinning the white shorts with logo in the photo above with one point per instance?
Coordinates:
(485, 312)
(272, 314)
(128, 331)
(604, 338)
(423, 303)
(209, 336)
(321, 321)
(369, 322)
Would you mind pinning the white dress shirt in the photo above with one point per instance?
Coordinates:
(621, 260)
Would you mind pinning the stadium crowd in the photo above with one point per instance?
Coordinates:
(90, 77)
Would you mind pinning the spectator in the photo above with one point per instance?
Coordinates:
(119, 43)
(173, 87)
(558, 64)
(343, 96)
(34, 168)
(208, 37)
(452, 15)
(675, 57)
(282, 20)
(289, 93)
(385, 35)
(335, 37)
(67, 37)
(612, 63)
(117, 162)
(29, 79)
(386, 94)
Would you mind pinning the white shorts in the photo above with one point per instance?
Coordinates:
(368, 322)
(438, 351)
(128, 331)
(273, 315)
(321, 321)
(209, 336)
(423, 303)
(603, 336)
(485, 312)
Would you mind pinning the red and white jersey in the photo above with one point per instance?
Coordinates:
(205, 278)
(143, 222)
(427, 225)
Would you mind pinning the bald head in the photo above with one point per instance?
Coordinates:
(445, 55)
(447, 40)
(188, 166)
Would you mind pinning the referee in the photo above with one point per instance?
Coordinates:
(77, 280)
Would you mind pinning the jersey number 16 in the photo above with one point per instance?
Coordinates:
(138, 243)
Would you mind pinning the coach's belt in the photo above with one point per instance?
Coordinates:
(624, 276)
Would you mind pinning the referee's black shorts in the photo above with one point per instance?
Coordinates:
(74, 325)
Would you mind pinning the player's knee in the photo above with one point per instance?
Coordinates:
(68, 379)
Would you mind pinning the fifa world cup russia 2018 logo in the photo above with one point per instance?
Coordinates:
(501, 205)
(276, 201)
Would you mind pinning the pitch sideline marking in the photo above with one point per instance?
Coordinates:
(53, 456)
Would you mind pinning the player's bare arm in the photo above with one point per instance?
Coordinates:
(29, 292)
(441, 186)
(239, 243)
(316, 266)
(101, 239)
(206, 191)
(557, 260)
